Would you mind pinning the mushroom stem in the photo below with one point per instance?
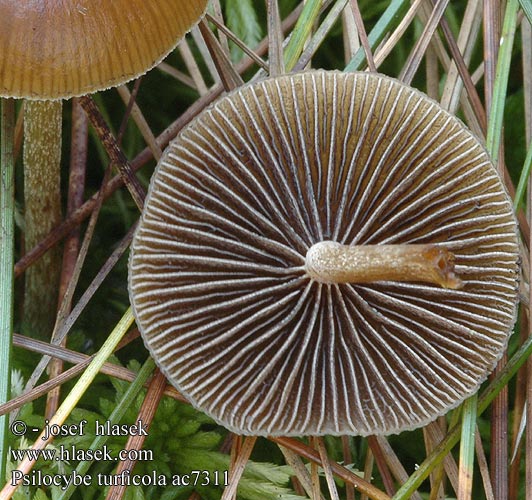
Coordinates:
(330, 262)
(42, 210)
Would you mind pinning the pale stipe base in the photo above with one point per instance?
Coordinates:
(330, 262)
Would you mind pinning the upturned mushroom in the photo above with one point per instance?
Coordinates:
(52, 50)
(325, 253)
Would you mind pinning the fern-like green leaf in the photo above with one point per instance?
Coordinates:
(241, 19)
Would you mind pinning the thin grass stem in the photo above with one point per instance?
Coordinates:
(301, 33)
(7, 261)
(115, 417)
(447, 444)
(495, 121)
(523, 180)
(467, 448)
(74, 396)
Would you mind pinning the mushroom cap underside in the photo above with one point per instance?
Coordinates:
(54, 49)
(217, 278)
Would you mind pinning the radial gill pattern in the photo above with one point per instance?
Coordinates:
(52, 49)
(217, 274)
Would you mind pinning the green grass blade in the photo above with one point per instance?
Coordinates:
(495, 122)
(115, 417)
(301, 33)
(320, 34)
(467, 448)
(75, 394)
(523, 180)
(438, 454)
(7, 238)
(526, 5)
(389, 20)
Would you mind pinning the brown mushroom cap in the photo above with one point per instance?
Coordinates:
(54, 49)
(217, 269)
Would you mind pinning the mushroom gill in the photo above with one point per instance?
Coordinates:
(218, 271)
